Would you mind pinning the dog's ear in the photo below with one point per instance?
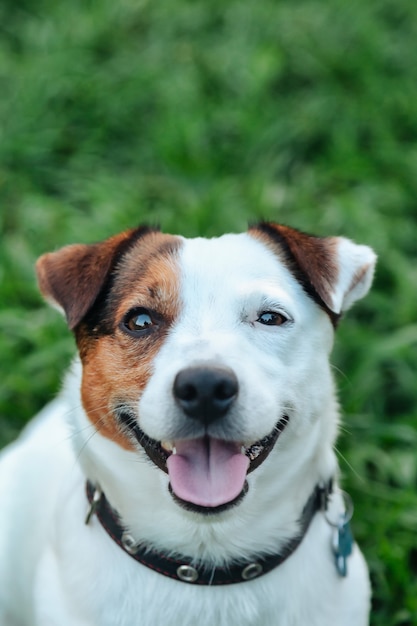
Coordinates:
(71, 278)
(356, 267)
(335, 269)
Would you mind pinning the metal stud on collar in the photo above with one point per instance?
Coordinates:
(129, 543)
(253, 570)
(187, 573)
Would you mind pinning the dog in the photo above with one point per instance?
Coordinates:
(186, 474)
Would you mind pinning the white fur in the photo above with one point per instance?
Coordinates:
(56, 571)
(356, 269)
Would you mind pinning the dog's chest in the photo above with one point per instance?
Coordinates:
(103, 586)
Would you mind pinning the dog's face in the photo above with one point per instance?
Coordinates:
(203, 354)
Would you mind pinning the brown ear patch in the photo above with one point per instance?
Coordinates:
(312, 260)
(72, 277)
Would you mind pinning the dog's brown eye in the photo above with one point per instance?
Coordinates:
(268, 318)
(139, 321)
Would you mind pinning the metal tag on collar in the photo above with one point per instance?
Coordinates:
(342, 539)
(342, 545)
(94, 504)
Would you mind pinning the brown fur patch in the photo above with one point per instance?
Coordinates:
(102, 283)
(312, 260)
(73, 276)
(116, 365)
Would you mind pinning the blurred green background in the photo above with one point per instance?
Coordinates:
(202, 116)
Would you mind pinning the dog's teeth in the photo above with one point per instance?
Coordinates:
(168, 446)
(254, 452)
(243, 450)
(174, 450)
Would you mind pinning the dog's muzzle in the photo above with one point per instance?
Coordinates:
(207, 473)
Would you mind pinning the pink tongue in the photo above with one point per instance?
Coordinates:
(207, 472)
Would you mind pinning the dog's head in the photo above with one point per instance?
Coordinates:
(204, 353)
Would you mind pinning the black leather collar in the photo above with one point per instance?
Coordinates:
(184, 568)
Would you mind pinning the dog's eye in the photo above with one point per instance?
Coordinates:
(139, 321)
(268, 318)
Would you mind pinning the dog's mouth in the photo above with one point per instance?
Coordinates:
(207, 475)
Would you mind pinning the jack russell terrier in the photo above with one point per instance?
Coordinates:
(186, 474)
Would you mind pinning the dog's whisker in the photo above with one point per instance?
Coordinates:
(340, 372)
(85, 444)
(345, 429)
(96, 410)
(350, 466)
(213, 573)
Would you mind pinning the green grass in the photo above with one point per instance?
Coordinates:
(202, 116)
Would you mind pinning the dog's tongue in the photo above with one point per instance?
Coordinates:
(207, 472)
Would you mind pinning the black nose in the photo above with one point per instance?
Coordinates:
(205, 393)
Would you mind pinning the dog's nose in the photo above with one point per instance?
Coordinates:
(205, 393)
